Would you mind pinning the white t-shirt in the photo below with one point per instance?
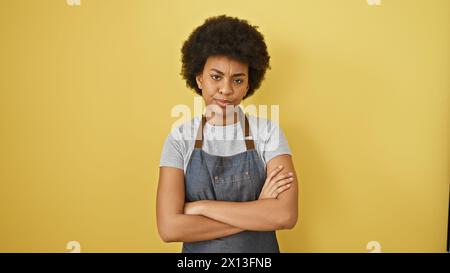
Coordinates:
(227, 140)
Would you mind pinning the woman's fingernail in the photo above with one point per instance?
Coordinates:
(281, 166)
(290, 173)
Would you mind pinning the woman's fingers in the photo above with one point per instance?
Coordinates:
(272, 174)
(280, 177)
(280, 183)
(282, 189)
(276, 183)
(280, 186)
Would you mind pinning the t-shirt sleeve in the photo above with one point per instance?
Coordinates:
(275, 143)
(172, 153)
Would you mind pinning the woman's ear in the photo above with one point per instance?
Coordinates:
(246, 91)
(198, 78)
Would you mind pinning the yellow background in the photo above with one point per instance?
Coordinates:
(87, 91)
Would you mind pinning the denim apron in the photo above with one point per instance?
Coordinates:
(236, 178)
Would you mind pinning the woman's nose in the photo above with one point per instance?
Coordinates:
(226, 88)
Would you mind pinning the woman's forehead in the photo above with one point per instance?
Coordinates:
(225, 64)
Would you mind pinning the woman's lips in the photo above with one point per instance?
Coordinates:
(222, 103)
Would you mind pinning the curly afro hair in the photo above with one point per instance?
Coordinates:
(228, 36)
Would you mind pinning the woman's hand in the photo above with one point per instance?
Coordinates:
(276, 183)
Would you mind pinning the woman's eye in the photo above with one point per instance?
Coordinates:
(217, 77)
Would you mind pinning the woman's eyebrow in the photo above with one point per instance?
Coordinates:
(221, 73)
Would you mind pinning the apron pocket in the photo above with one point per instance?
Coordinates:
(236, 187)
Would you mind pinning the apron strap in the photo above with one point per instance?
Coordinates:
(199, 138)
(249, 142)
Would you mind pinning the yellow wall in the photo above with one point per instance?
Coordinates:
(86, 93)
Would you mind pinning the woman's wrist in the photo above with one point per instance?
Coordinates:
(196, 207)
(201, 207)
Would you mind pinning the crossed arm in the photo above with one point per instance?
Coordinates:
(210, 219)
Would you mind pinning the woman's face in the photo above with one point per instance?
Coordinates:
(224, 82)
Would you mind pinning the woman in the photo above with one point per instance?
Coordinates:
(231, 194)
